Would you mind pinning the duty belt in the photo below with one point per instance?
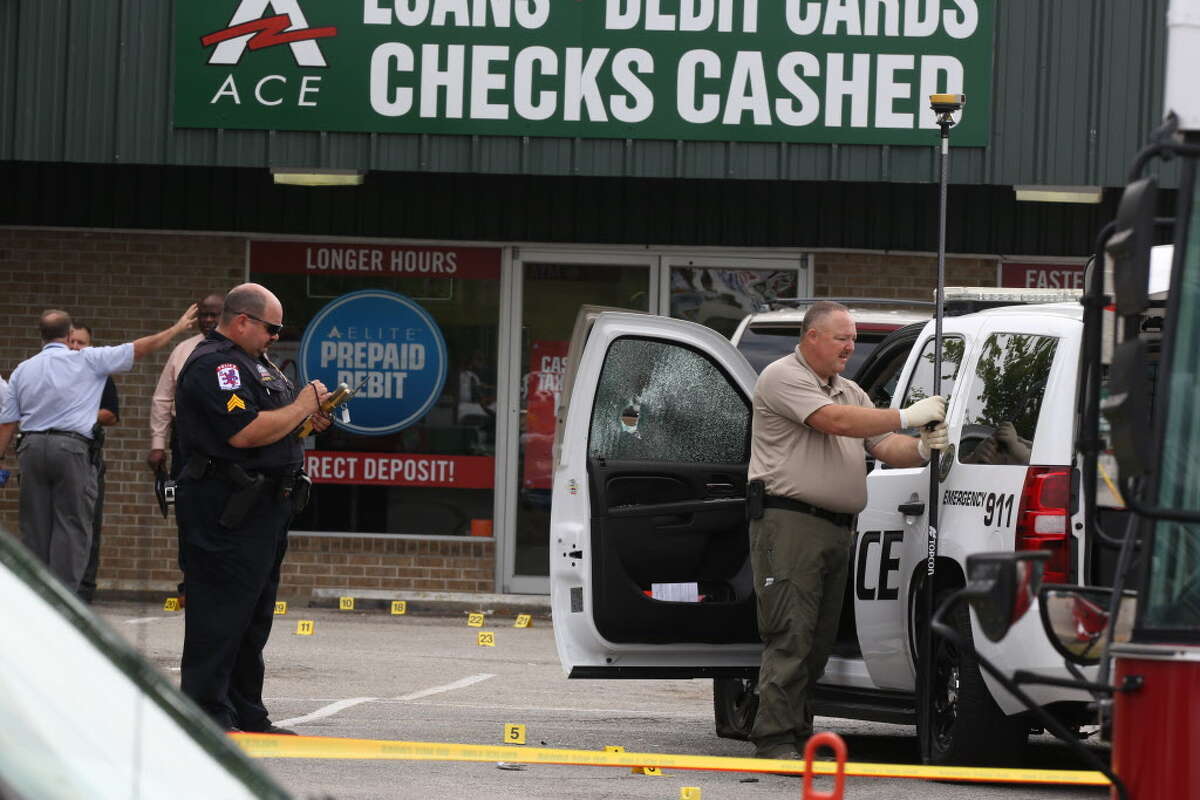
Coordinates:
(841, 519)
(56, 432)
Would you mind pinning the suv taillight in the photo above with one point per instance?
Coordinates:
(1042, 519)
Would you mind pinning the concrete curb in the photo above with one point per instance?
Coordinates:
(432, 603)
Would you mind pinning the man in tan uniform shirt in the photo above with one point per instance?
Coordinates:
(810, 426)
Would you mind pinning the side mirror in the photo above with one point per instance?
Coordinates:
(1001, 587)
(1076, 619)
(1127, 253)
(1126, 407)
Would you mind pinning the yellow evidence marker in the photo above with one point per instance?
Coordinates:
(281, 606)
(523, 621)
(345, 603)
(486, 639)
(304, 627)
(689, 793)
(613, 748)
(475, 620)
(514, 734)
(171, 604)
(653, 771)
(399, 606)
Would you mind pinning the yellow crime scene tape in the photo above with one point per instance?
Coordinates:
(258, 745)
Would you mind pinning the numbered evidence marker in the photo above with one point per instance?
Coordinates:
(281, 607)
(475, 620)
(171, 604)
(514, 734)
(689, 793)
(345, 603)
(399, 606)
(654, 771)
(304, 627)
(523, 621)
(486, 639)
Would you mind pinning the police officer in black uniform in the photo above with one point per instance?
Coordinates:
(239, 489)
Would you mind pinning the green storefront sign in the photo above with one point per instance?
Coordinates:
(848, 71)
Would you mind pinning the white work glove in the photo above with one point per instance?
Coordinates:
(922, 412)
(936, 439)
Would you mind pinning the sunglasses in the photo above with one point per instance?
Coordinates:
(271, 328)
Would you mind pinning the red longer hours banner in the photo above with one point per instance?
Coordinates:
(400, 469)
(543, 386)
(328, 258)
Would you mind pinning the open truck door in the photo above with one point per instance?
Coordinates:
(649, 558)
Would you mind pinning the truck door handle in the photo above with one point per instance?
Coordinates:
(911, 509)
(719, 489)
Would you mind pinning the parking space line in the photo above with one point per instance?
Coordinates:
(325, 711)
(350, 702)
(449, 687)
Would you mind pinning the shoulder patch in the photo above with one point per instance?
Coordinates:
(228, 377)
(235, 402)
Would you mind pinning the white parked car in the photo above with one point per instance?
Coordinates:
(649, 563)
(84, 715)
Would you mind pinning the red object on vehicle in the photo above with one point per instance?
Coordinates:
(1042, 519)
(834, 743)
(1156, 730)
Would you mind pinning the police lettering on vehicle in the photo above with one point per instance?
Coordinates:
(884, 588)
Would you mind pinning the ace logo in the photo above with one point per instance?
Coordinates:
(250, 27)
(259, 25)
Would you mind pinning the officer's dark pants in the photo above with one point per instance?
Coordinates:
(87, 585)
(58, 495)
(800, 564)
(231, 580)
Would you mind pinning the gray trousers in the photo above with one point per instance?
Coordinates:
(58, 498)
(800, 564)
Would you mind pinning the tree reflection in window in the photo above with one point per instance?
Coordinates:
(1005, 398)
(920, 385)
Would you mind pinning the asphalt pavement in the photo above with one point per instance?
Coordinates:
(368, 674)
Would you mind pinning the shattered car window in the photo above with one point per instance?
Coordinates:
(659, 401)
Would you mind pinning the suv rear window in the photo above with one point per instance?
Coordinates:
(766, 343)
(1005, 398)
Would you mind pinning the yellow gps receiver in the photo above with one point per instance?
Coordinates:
(340, 395)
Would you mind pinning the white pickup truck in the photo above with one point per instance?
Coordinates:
(649, 560)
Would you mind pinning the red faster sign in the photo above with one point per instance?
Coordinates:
(400, 469)
(1042, 276)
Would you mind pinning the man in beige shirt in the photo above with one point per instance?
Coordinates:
(810, 426)
(162, 406)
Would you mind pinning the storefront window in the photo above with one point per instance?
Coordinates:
(553, 294)
(435, 474)
(719, 296)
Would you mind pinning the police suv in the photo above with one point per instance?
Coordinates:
(649, 559)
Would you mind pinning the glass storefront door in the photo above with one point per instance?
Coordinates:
(553, 286)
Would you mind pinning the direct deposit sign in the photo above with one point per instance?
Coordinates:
(848, 71)
(384, 343)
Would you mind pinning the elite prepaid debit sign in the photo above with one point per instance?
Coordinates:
(385, 345)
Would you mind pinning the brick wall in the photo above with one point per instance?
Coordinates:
(894, 275)
(126, 285)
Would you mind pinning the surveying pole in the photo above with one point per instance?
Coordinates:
(944, 106)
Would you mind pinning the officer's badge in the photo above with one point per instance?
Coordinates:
(264, 373)
(228, 377)
(235, 402)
